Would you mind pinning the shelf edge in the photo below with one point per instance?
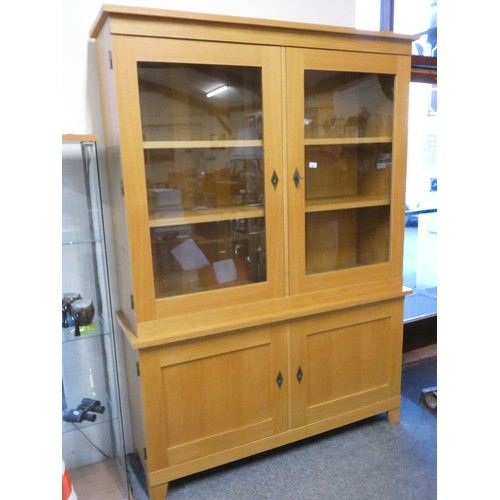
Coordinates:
(79, 138)
(152, 333)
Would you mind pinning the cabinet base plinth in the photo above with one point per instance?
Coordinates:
(158, 492)
(393, 416)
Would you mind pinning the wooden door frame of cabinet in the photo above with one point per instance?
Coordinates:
(298, 60)
(143, 24)
(128, 51)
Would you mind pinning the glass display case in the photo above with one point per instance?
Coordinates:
(92, 432)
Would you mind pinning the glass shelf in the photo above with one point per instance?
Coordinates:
(95, 329)
(68, 427)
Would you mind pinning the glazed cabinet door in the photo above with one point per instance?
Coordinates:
(200, 126)
(346, 159)
(207, 396)
(345, 361)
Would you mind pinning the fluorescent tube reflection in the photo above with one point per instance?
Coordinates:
(216, 91)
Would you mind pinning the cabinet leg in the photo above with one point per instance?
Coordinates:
(158, 492)
(393, 416)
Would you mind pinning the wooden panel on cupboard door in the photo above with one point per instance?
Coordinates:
(203, 397)
(347, 360)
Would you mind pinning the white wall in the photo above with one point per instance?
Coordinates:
(80, 92)
(81, 108)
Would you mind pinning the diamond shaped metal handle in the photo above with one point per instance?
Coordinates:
(300, 374)
(297, 178)
(274, 180)
(279, 380)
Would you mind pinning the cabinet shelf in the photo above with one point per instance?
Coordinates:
(347, 140)
(201, 144)
(176, 218)
(346, 202)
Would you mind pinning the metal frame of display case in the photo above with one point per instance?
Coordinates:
(93, 435)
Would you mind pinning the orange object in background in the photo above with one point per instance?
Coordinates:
(68, 493)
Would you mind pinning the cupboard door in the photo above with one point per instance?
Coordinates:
(210, 395)
(202, 172)
(346, 159)
(345, 361)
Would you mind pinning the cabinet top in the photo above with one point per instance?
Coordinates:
(79, 138)
(126, 13)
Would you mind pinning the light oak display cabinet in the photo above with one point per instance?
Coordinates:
(257, 171)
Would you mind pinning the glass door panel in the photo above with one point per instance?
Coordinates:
(208, 255)
(202, 128)
(348, 119)
(340, 239)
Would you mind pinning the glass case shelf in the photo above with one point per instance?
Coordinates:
(95, 329)
(79, 240)
(69, 428)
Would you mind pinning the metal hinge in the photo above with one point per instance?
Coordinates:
(132, 302)
(138, 369)
(122, 189)
(110, 59)
(145, 453)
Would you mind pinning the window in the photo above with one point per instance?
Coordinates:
(421, 231)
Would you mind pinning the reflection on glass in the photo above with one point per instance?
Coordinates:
(341, 239)
(175, 106)
(348, 125)
(340, 170)
(204, 161)
(196, 257)
(201, 178)
(340, 104)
